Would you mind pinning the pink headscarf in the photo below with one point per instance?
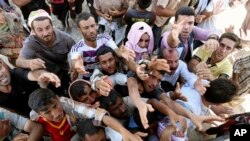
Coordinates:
(134, 35)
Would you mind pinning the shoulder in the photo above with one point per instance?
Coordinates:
(103, 36)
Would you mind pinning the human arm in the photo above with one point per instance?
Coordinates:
(197, 120)
(164, 12)
(44, 77)
(143, 107)
(32, 64)
(34, 129)
(21, 3)
(114, 124)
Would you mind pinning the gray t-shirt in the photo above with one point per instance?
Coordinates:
(55, 57)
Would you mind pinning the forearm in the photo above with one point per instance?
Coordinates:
(34, 75)
(21, 3)
(131, 65)
(192, 65)
(160, 106)
(22, 62)
(35, 131)
(175, 106)
(114, 124)
(165, 12)
(134, 91)
(172, 41)
(99, 13)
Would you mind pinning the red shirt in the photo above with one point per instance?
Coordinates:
(59, 131)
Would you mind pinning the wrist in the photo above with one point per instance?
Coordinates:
(214, 37)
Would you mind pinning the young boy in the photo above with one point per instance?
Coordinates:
(59, 114)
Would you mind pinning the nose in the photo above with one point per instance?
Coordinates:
(91, 100)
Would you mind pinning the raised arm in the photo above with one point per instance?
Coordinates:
(44, 77)
(32, 64)
(143, 107)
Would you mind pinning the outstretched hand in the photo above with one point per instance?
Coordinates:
(143, 109)
(48, 77)
(158, 64)
(104, 85)
(198, 120)
(126, 53)
(79, 66)
(140, 71)
(177, 93)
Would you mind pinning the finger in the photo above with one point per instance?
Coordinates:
(150, 108)
(173, 123)
(177, 88)
(141, 134)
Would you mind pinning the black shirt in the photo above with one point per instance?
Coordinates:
(17, 99)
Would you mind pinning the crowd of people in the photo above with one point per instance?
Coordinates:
(143, 70)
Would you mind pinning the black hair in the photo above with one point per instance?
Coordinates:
(83, 16)
(187, 11)
(40, 19)
(77, 89)
(86, 127)
(40, 99)
(220, 91)
(143, 4)
(231, 36)
(103, 50)
(106, 101)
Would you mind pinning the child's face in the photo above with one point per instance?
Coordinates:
(144, 41)
(53, 112)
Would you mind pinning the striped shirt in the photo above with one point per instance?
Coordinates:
(89, 53)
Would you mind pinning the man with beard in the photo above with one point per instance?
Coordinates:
(46, 48)
(209, 64)
(184, 33)
(85, 50)
(178, 68)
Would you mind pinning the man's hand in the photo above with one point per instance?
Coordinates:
(174, 118)
(114, 12)
(176, 30)
(104, 85)
(127, 136)
(47, 77)
(107, 17)
(199, 18)
(177, 93)
(78, 65)
(126, 53)
(211, 44)
(205, 74)
(140, 71)
(158, 64)
(218, 7)
(36, 64)
(220, 110)
(198, 120)
(143, 109)
(21, 137)
(200, 87)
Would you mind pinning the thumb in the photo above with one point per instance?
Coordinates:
(154, 59)
(150, 108)
(177, 88)
(141, 134)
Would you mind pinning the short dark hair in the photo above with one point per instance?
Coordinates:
(143, 4)
(187, 11)
(231, 36)
(77, 89)
(220, 91)
(40, 19)
(106, 101)
(41, 98)
(83, 16)
(103, 50)
(86, 127)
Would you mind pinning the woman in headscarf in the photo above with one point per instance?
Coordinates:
(140, 39)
